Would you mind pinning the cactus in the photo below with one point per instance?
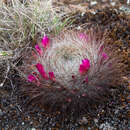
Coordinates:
(71, 71)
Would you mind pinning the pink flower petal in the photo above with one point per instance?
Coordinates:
(104, 55)
(51, 75)
(82, 69)
(38, 49)
(84, 66)
(86, 63)
(41, 70)
(45, 41)
(31, 78)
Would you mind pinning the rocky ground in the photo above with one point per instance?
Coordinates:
(113, 115)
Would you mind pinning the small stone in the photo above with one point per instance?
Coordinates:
(106, 126)
(83, 120)
(23, 123)
(96, 120)
(33, 129)
(93, 3)
(101, 126)
(117, 111)
(83, 13)
(1, 113)
(113, 3)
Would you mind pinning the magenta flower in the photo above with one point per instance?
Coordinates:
(45, 41)
(31, 78)
(84, 66)
(51, 75)
(104, 55)
(41, 70)
(86, 63)
(38, 49)
(82, 69)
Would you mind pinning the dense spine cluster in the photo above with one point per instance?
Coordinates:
(71, 69)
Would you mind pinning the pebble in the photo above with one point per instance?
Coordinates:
(96, 121)
(1, 113)
(116, 111)
(93, 3)
(113, 3)
(83, 120)
(106, 126)
(125, 9)
(33, 129)
(23, 123)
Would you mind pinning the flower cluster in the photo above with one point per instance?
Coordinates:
(39, 66)
(82, 69)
